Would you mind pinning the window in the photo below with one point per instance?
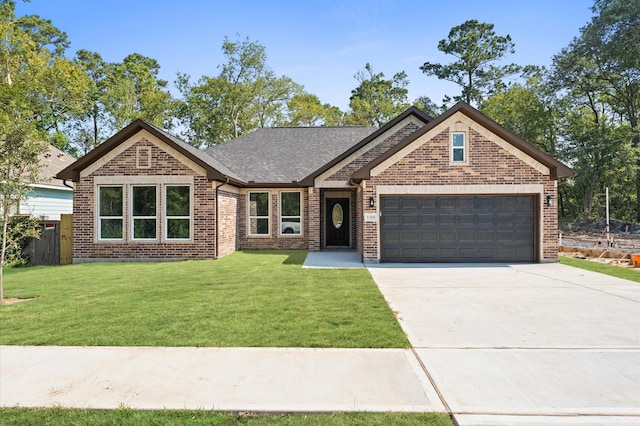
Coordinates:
(458, 148)
(258, 213)
(143, 213)
(290, 213)
(110, 213)
(177, 212)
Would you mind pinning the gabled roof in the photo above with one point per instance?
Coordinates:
(284, 155)
(215, 170)
(53, 161)
(558, 170)
(412, 111)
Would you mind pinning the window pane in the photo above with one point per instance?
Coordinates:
(144, 200)
(290, 226)
(259, 204)
(290, 204)
(177, 201)
(144, 228)
(178, 229)
(111, 228)
(110, 201)
(458, 154)
(458, 139)
(259, 226)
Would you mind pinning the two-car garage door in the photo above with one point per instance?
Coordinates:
(457, 228)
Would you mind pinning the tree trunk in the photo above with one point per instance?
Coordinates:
(5, 220)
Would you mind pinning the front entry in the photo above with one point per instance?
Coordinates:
(337, 222)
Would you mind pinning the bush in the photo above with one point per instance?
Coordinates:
(19, 231)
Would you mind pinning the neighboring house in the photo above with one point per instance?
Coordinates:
(49, 197)
(455, 188)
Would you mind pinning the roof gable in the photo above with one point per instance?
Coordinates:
(53, 161)
(214, 170)
(411, 111)
(556, 168)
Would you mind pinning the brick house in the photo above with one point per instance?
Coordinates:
(455, 188)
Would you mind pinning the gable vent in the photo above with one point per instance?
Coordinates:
(143, 157)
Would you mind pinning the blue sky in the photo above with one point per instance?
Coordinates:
(319, 44)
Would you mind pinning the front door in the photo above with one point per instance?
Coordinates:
(337, 219)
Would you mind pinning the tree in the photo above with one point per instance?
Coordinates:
(25, 69)
(245, 95)
(377, 100)
(306, 109)
(600, 71)
(529, 110)
(86, 127)
(477, 48)
(133, 90)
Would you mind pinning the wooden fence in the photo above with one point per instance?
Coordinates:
(54, 246)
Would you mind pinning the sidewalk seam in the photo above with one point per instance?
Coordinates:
(433, 383)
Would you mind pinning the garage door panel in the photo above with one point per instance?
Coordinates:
(458, 229)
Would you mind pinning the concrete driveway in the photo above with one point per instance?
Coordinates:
(522, 344)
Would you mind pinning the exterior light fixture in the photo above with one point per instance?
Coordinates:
(550, 200)
(372, 202)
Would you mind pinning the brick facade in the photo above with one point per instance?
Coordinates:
(487, 164)
(273, 240)
(124, 169)
(219, 217)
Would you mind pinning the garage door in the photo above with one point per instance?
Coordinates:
(457, 229)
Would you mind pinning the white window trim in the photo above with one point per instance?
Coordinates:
(165, 217)
(132, 217)
(281, 217)
(100, 217)
(249, 216)
(465, 151)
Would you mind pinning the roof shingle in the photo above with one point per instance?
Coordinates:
(286, 154)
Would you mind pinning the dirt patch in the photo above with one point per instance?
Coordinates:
(14, 300)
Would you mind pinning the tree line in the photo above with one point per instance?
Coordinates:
(583, 109)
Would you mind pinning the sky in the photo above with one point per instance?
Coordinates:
(319, 44)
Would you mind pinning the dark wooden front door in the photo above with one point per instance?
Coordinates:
(337, 222)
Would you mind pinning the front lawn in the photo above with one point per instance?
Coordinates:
(55, 416)
(254, 298)
(615, 271)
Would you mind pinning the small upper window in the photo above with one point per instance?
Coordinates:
(458, 148)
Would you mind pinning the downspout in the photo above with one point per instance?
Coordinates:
(64, 182)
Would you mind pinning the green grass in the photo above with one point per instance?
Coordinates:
(603, 268)
(56, 416)
(254, 298)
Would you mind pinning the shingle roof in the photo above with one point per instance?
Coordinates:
(53, 161)
(286, 154)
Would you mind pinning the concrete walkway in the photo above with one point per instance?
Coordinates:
(333, 259)
(222, 379)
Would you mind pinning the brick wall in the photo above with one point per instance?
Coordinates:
(227, 222)
(274, 240)
(143, 163)
(487, 164)
(345, 173)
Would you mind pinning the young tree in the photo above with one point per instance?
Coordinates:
(477, 48)
(377, 100)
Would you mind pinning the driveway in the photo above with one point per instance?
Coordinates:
(522, 344)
